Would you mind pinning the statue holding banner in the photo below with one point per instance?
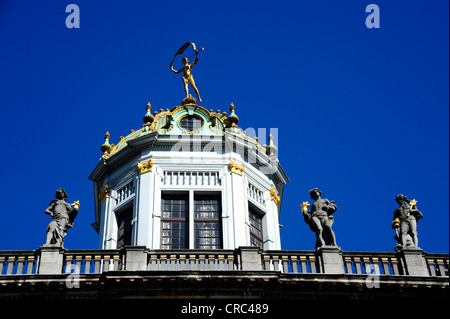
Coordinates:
(187, 68)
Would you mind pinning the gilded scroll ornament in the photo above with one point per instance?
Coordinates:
(146, 167)
(236, 168)
(274, 196)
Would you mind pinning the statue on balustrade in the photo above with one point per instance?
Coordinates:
(320, 218)
(63, 216)
(405, 221)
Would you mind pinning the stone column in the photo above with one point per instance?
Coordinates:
(51, 260)
(330, 259)
(413, 260)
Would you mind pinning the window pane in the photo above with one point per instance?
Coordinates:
(256, 232)
(124, 227)
(174, 223)
(207, 223)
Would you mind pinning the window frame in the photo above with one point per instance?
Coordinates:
(194, 129)
(125, 215)
(173, 220)
(259, 238)
(211, 220)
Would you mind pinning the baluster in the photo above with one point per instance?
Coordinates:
(357, 261)
(266, 260)
(312, 263)
(230, 259)
(11, 262)
(430, 264)
(348, 264)
(153, 262)
(275, 262)
(182, 262)
(116, 260)
(78, 261)
(394, 263)
(221, 261)
(69, 259)
(285, 263)
(30, 265)
(303, 260)
(441, 267)
(201, 261)
(20, 263)
(163, 262)
(173, 262)
(2, 263)
(376, 265)
(385, 264)
(294, 263)
(192, 262)
(97, 263)
(106, 262)
(87, 264)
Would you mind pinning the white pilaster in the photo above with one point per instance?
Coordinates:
(238, 211)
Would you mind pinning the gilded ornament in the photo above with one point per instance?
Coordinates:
(274, 196)
(146, 167)
(105, 194)
(236, 168)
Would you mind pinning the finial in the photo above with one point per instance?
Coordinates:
(148, 118)
(106, 147)
(233, 118)
(271, 149)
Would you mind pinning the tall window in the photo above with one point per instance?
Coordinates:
(174, 222)
(256, 230)
(124, 227)
(207, 223)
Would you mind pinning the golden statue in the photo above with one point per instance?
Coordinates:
(187, 69)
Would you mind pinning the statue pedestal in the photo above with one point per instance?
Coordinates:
(413, 259)
(51, 260)
(330, 260)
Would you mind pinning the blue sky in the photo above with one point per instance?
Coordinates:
(362, 114)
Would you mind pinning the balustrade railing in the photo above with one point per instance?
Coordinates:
(286, 261)
(191, 260)
(191, 178)
(17, 262)
(290, 261)
(92, 262)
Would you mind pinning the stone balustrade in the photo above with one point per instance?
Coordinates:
(56, 260)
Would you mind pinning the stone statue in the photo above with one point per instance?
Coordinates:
(187, 69)
(63, 217)
(320, 218)
(405, 221)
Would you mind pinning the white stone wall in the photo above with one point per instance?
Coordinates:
(188, 172)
